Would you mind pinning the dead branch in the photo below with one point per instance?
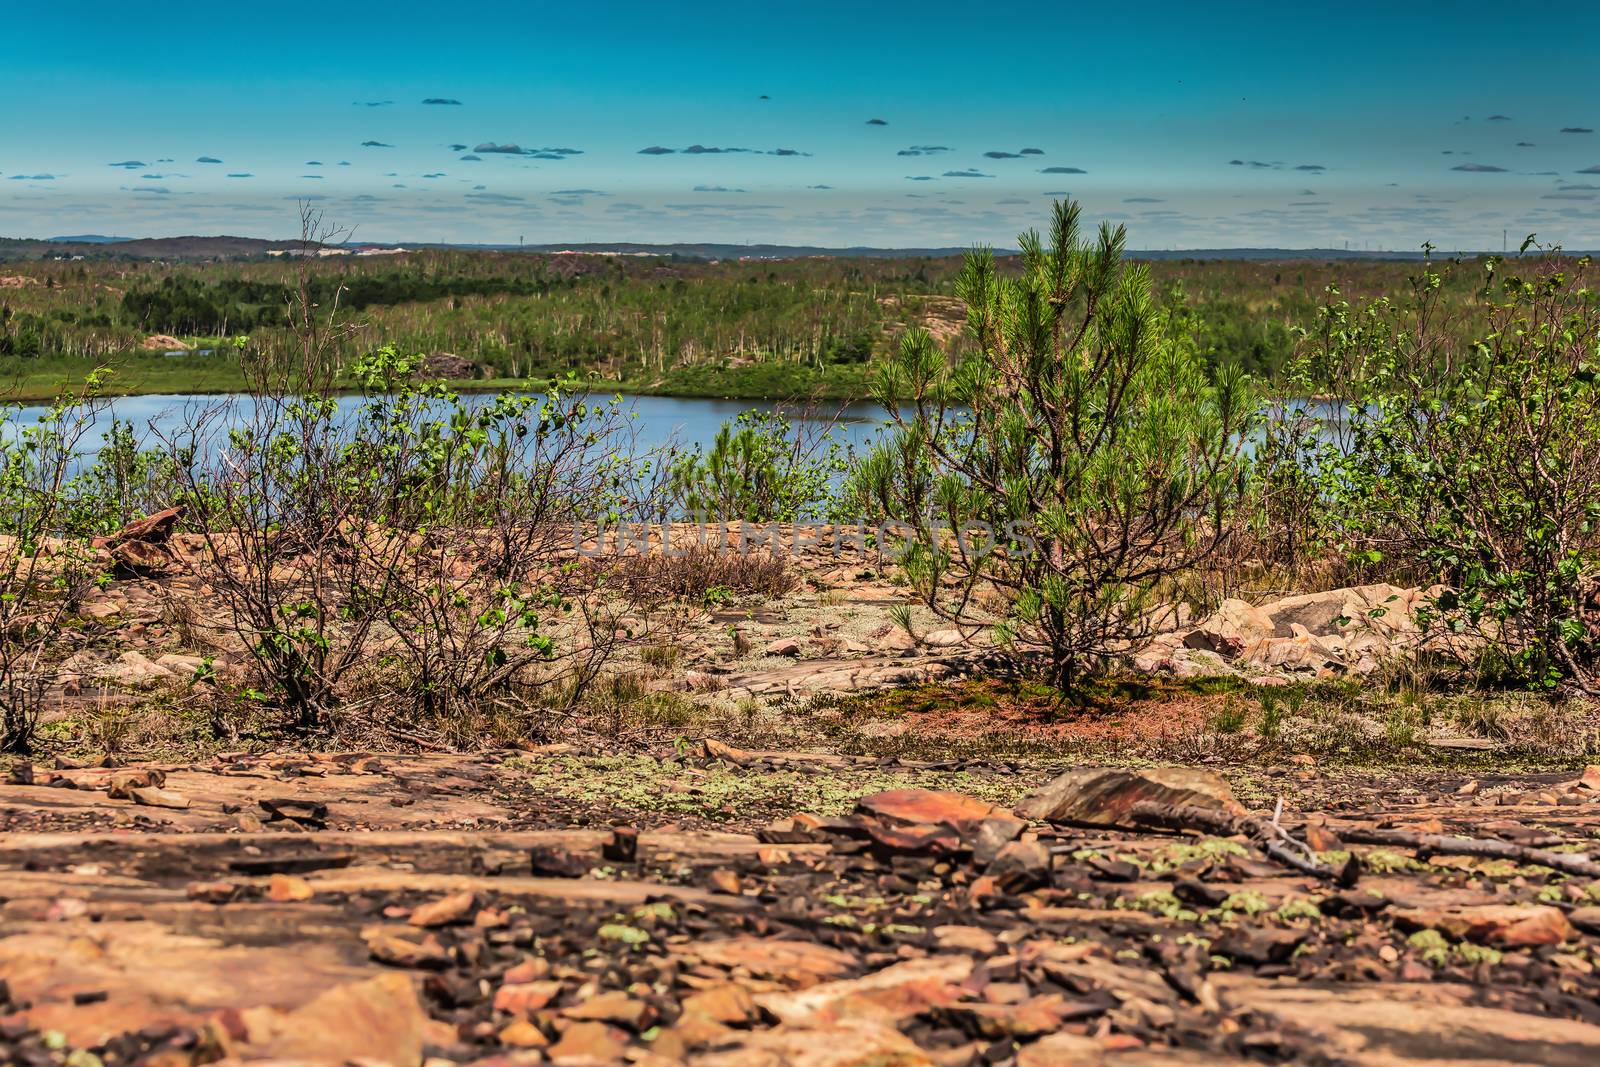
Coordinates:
(1272, 840)
(1441, 845)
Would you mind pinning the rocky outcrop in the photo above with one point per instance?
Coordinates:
(1341, 631)
(1106, 796)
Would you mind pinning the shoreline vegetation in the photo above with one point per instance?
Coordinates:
(144, 376)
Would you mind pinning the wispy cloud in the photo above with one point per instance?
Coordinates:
(442, 101)
(876, 122)
(375, 144)
(1479, 168)
(714, 150)
(1063, 170)
(969, 173)
(1576, 129)
(208, 159)
(130, 164)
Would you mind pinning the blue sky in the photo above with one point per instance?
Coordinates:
(1380, 125)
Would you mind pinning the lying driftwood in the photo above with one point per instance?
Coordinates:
(1265, 834)
(1488, 848)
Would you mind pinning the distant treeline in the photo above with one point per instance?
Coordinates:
(735, 327)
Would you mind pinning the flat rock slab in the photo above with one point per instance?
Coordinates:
(867, 942)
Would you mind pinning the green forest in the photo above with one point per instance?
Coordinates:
(746, 329)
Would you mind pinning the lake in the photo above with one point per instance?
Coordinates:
(656, 422)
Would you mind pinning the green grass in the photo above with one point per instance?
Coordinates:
(38, 380)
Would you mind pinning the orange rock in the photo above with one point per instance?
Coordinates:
(797, 964)
(888, 996)
(211, 892)
(525, 998)
(1503, 925)
(529, 970)
(445, 910)
(379, 1020)
(523, 1034)
(590, 1041)
(284, 888)
(728, 1004)
(918, 806)
(613, 1007)
(1060, 1050)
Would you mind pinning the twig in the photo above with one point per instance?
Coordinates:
(1439, 844)
(1271, 840)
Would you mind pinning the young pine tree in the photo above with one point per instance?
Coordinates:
(1053, 483)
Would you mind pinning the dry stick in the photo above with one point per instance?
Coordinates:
(1427, 844)
(1271, 840)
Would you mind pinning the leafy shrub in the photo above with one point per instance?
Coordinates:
(1478, 465)
(760, 468)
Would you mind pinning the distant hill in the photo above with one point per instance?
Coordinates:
(97, 247)
(87, 239)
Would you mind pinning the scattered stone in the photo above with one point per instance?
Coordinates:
(728, 1003)
(283, 888)
(523, 1034)
(927, 807)
(525, 998)
(614, 1007)
(1501, 925)
(589, 1042)
(623, 846)
(444, 911)
(393, 945)
(152, 797)
(795, 963)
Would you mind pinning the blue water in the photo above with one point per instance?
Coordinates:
(652, 422)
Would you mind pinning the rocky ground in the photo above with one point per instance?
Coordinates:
(925, 867)
(839, 628)
(719, 906)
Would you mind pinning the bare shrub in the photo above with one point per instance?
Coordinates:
(411, 547)
(45, 570)
(701, 575)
